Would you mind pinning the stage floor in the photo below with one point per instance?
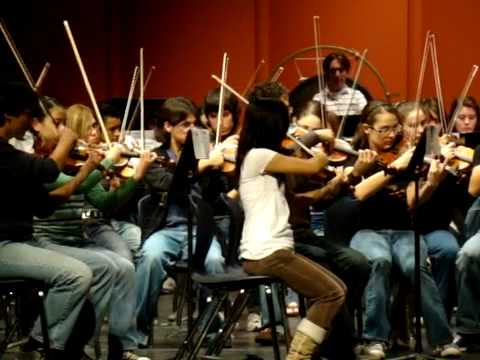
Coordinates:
(167, 336)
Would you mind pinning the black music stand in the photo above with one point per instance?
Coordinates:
(183, 178)
(413, 173)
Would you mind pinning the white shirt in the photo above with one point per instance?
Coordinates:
(338, 102)
(25, 144)
(266, 228)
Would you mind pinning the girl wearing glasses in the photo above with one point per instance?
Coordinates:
(386, 238)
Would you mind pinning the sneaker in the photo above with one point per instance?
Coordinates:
(254, 322)
(448, 350)
(375, 350)
(129, 355)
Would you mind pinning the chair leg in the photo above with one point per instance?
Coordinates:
(181, 295)
(302, 309)
(234, 315)
(44, 325)
(191, 345)
(283, 309)
(273, 327)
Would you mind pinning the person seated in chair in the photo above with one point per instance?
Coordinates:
(165, 229)
(23, 195)
(337, 97)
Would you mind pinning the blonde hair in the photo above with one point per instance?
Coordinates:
(80, 119)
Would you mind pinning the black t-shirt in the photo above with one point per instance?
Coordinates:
(22, 194)
(476, 156)
(437, 212)
(387, 209)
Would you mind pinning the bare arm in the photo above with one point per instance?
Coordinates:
(474, 184)
(371, 185)
(436, 174)
(281, 164)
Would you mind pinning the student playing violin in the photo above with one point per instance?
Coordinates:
(113, 290)
(386, 239)
(165, 229)
(267, 241)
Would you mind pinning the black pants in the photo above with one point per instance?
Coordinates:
(350, 266)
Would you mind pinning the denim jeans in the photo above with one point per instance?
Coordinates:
(442, 251)
(383, 249)
(468, 274)
(121, 237)
(113, 287)
(159, 253)
(68, 280)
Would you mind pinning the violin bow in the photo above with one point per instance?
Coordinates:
(421, 77)
(438, 84)
(277, 74)
(354, 86)
(221, 98)
(463, 95)
(87, 82)
(26, 73)
(42, 76)
(129, 103)
(321, 84)
(254, 76)
(231, 89)
(142, 104)
(137, 106)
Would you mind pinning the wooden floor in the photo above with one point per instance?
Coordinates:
(167, 336)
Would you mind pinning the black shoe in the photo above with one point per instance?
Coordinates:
(468, 342)
(32, 345)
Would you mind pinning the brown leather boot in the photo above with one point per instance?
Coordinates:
(301, 347)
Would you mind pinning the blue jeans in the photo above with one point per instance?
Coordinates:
(68, 279)
(468, 275)
(121, 237)
(159, 253)
(383, 249)
(113, 287)
(442, 251)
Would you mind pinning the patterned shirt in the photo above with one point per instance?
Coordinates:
(338, 102)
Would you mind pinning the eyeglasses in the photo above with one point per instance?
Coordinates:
(387, 130)
(334, 70)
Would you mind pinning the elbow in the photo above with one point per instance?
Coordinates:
(359, 194)
(474, 189)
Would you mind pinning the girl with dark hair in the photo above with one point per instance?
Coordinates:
(386, 238)
(165, 229)
(231, 113)
(466, 120)
(267, 240)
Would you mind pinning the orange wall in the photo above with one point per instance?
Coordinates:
(185, 39)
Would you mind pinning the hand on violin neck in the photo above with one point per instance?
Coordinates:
(366, 160)
(146, 159)
(215, 160)
(436, 173)
(320, 159)
(93, 160)
(448, 151)
(114, 153)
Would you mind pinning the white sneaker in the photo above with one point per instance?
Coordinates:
(128, 355)
(254, 322)
(448, 350)
(375, 351)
